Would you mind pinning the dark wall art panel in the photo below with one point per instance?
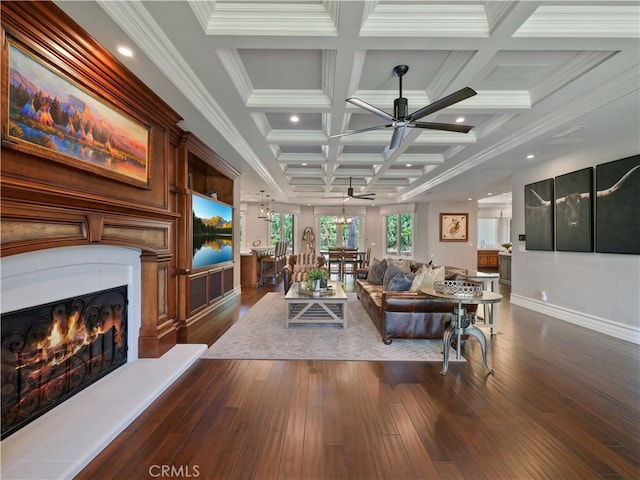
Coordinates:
(618, 206)
(574, 211)
(538, 215)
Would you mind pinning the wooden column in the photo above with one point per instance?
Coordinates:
(157, 330)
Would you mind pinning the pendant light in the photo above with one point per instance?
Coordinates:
(262, 213)
(343, 220)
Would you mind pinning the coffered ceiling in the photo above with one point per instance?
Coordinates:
(552, 78)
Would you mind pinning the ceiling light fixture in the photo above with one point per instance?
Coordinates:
(530, 156)
(459, 119)
(262, 213)
(270, 212)
(343, 220)
(126, 51)
(267, 212)
(294, 118)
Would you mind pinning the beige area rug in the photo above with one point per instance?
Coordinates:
(261, 335)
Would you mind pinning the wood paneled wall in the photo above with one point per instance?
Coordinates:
(47, 202)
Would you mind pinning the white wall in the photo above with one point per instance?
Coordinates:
(255, 228)
(455, 254)
(600, 291)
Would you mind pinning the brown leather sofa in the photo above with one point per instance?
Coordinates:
(406, 314)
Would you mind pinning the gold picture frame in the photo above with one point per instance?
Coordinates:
(454, 227)
(54, 116)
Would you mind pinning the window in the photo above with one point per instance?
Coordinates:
(399, 233)
(334, 235)
(282, 228)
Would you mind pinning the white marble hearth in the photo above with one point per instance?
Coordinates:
(59, 444)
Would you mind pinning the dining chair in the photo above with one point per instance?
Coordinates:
(366, 261)
(350, 261)
(335, 259)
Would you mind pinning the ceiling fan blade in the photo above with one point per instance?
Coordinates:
(351, 132)
(370, 108)
(455, 97)
(396, 139)
(365, 196)
(449, 127)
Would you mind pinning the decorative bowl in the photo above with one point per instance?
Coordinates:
(459, 288)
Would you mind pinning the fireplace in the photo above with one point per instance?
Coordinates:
(52, 351)
(60, 276)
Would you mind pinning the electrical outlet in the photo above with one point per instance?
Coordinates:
(543, 296)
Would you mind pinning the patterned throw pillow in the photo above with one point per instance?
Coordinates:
(425, 277)
(401, 282)
(376, 272)
(301, 268)
(403, 264)
(389, 273)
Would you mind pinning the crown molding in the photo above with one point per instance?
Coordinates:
(430, 20)
(139, 25)
(270, 19)
(589, 21)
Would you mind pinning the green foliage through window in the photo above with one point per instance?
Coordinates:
(399, 232)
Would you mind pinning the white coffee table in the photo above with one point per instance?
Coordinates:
(302, 308)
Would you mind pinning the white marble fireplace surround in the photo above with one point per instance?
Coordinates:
(60, 443)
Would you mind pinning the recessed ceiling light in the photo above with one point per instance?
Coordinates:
(469, 198)
(126, 51)
(304, 164)
(489, 193)
(294, 118)
(409, 164)
(530, 156)
(459, 119)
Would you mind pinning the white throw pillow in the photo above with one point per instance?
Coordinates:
(425, 277)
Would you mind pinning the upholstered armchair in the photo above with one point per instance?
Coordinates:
(298, 266)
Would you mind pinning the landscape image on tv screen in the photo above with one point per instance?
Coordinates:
(212, 232)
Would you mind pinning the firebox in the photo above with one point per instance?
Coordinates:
(51, 352)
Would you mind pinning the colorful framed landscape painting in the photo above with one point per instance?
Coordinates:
(54, 117)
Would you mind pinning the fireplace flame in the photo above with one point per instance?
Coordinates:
(66, 339)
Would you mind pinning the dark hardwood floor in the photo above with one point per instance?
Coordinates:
(563, 404)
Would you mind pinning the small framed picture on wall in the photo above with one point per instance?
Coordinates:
(454, 227)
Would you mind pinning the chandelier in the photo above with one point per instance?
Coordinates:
(343, 220)
(269, 212)
(262, 213)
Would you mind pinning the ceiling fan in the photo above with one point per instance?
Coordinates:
(401, 120)
(364, 196)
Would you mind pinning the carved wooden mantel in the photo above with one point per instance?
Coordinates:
(49, 204)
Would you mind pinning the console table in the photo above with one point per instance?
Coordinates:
(461, 326)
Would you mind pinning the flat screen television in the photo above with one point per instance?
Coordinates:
(212, 235)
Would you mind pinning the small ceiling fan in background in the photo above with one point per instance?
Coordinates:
(401, 120)
(363, 196)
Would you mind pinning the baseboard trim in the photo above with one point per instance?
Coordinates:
(592, 322)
